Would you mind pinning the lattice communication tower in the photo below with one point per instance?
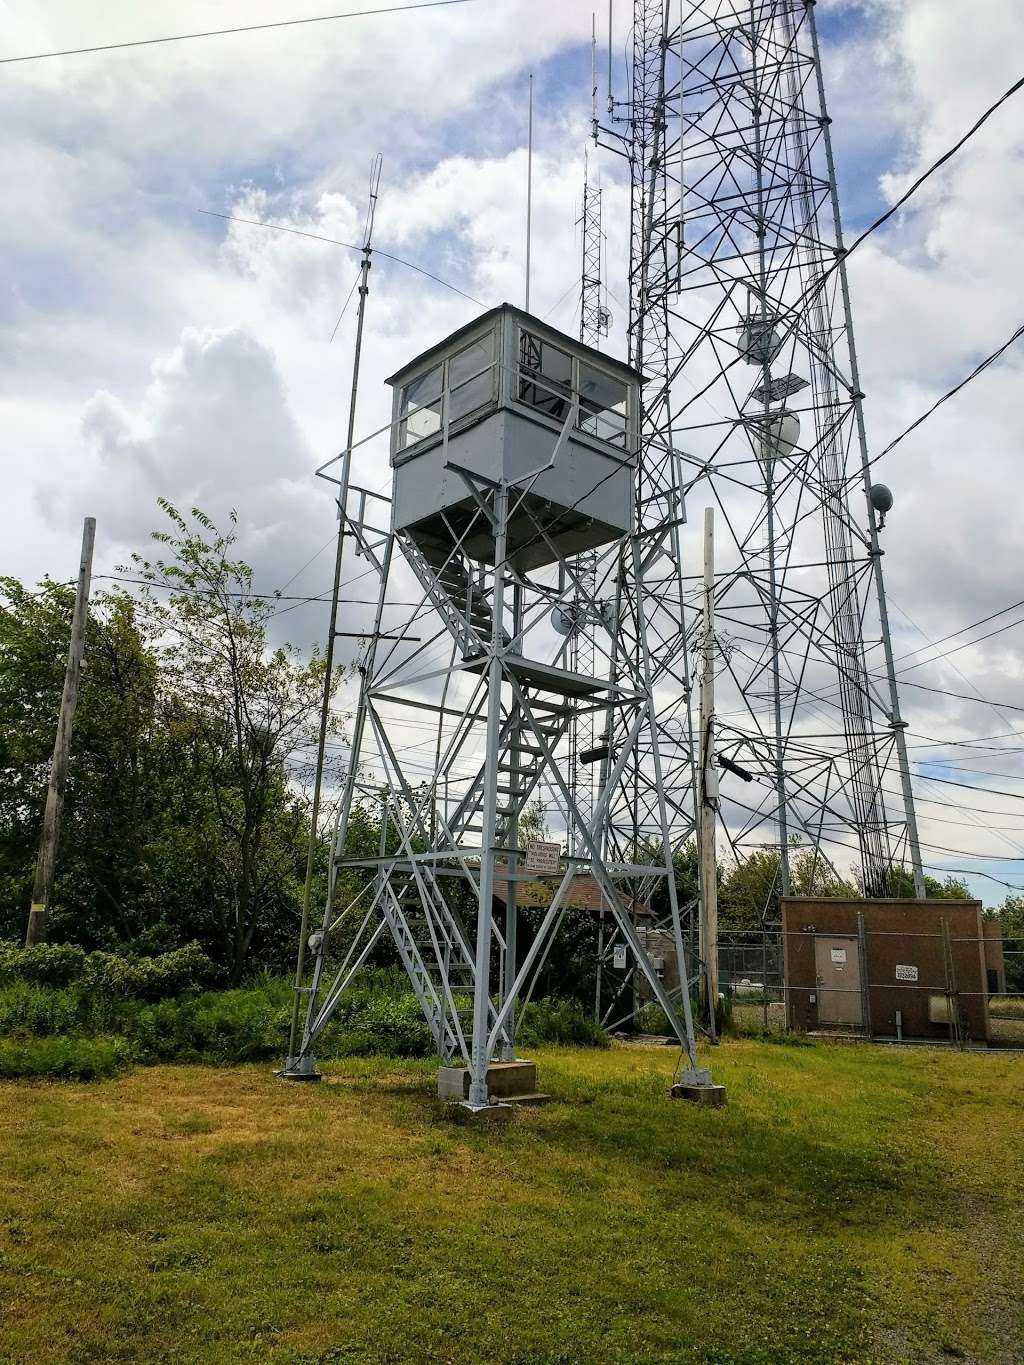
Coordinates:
(740, 319)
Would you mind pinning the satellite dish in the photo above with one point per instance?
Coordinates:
(758, 342)
(881, 498)
(776, 437)
(566, 617)
(881, 501)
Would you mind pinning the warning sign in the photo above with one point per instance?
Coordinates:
(619, 959)
(905, 972)
(542, 857)
(839, 956)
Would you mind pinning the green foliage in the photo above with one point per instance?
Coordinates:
(381, 1016)
(901, 883)
(147, 978)
(559, 1021)
(44, 964)
(1010, 917)
(64, 1059)
(651, 1018)
(107, 974)
(532, 824)
(181, 820)
(41, 1011)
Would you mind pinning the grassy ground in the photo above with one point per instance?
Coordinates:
(850, 1204)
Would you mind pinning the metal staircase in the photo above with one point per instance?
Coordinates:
(436, 954)
(463, 605)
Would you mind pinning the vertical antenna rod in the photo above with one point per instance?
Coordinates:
(325, 708)
(529, 190)
(611, 102)
(593, 71)
(708, 785)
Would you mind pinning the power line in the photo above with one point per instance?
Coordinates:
(946, 156)
(933, 644)
(971, 787)
(351, 246)
(967, 772)
(922, 663)
(243, 28)
(950, 393)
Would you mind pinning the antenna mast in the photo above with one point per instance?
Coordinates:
(740, 318)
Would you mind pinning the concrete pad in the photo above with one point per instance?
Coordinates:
(490, 1115)
(299, 1069)
(711, 1096)
(505, 1080)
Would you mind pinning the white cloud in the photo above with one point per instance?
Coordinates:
(151, 350)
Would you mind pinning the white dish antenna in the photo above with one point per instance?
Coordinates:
(758, 342)
(567, 617)
(775, 437)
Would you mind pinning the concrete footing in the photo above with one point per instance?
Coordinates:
(491, 1115)
(507, 1082)
(712, 1096)
(299, 1069)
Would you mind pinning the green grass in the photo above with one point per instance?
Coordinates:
(1007, 1006)
(850, 1205)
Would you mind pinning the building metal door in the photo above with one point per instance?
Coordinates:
(837, 964)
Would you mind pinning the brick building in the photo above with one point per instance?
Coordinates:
(888, 968)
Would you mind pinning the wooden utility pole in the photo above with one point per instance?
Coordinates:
(42, 885)
(708, 785)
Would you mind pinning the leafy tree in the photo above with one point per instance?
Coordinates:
(182, 819)
(901, 884)
(236, 710)
(115, 786)
(1010, 917)
(533, 825)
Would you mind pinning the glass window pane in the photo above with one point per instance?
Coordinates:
(545, 376)
(603, 405)
(471, 378)
(421, 407)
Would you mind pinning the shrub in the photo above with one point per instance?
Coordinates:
(66, 1059)
(115, 974)
(651, 1018)
(147, 978)
(44, 964)
(38, 1011)
(559, 1021)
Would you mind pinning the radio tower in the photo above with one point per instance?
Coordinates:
(582, 650)
(740, 319)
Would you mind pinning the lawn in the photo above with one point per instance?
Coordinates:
(850, 1204)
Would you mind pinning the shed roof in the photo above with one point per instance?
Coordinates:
(572, 343)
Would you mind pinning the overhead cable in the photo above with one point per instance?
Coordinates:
(242, 28)
(950, 393)
(351, 246)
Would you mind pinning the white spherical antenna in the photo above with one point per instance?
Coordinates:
(881, 498)
(758, 342)
(566, 617)
(776, 438)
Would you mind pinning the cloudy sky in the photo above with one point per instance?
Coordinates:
(150, 349)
